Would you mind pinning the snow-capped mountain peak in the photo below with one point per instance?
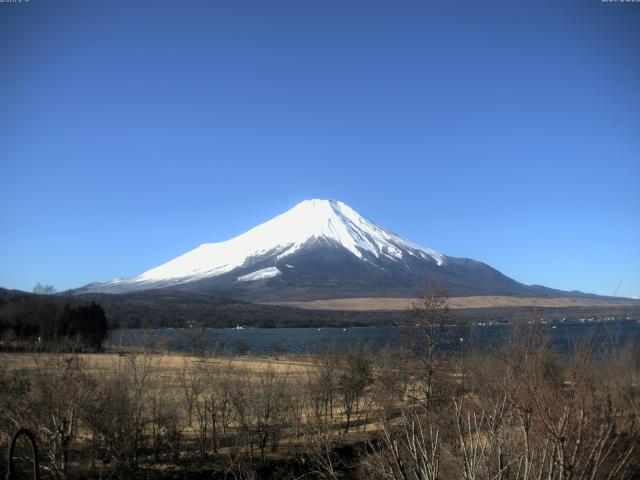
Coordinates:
(310, 221)
(319, 249)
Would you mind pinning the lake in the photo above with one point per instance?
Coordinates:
(264, 341)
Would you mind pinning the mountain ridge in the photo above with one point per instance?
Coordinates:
(320, 249)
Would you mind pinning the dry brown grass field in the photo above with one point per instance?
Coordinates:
(398, 304)
(164, 364)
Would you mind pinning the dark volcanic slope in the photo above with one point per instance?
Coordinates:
(322, 270)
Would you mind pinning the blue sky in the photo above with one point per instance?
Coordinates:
(133, 131)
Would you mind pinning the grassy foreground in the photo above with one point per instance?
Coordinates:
(520, 412)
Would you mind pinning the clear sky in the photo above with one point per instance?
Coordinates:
(133, 131)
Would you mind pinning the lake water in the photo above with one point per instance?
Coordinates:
(263, 341)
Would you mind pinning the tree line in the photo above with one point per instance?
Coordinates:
(44, 322)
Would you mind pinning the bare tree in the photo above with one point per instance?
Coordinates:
(427, 315)
(118, 414)
(269, 401)
(391, 378)
(196, 338)
(409, 450)
(298, 401)
(44, 289)
(216, 399)
(50, 403)
(321, 387)
(165, 419)
(190, 380)
(355, 375)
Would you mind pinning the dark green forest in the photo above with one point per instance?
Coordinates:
(46, 321)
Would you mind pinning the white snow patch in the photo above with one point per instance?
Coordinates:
(261, 274)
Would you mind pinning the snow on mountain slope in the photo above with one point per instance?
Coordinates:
(261, 274)
(312, 220)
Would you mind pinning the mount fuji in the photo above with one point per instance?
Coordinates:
(319, 249)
